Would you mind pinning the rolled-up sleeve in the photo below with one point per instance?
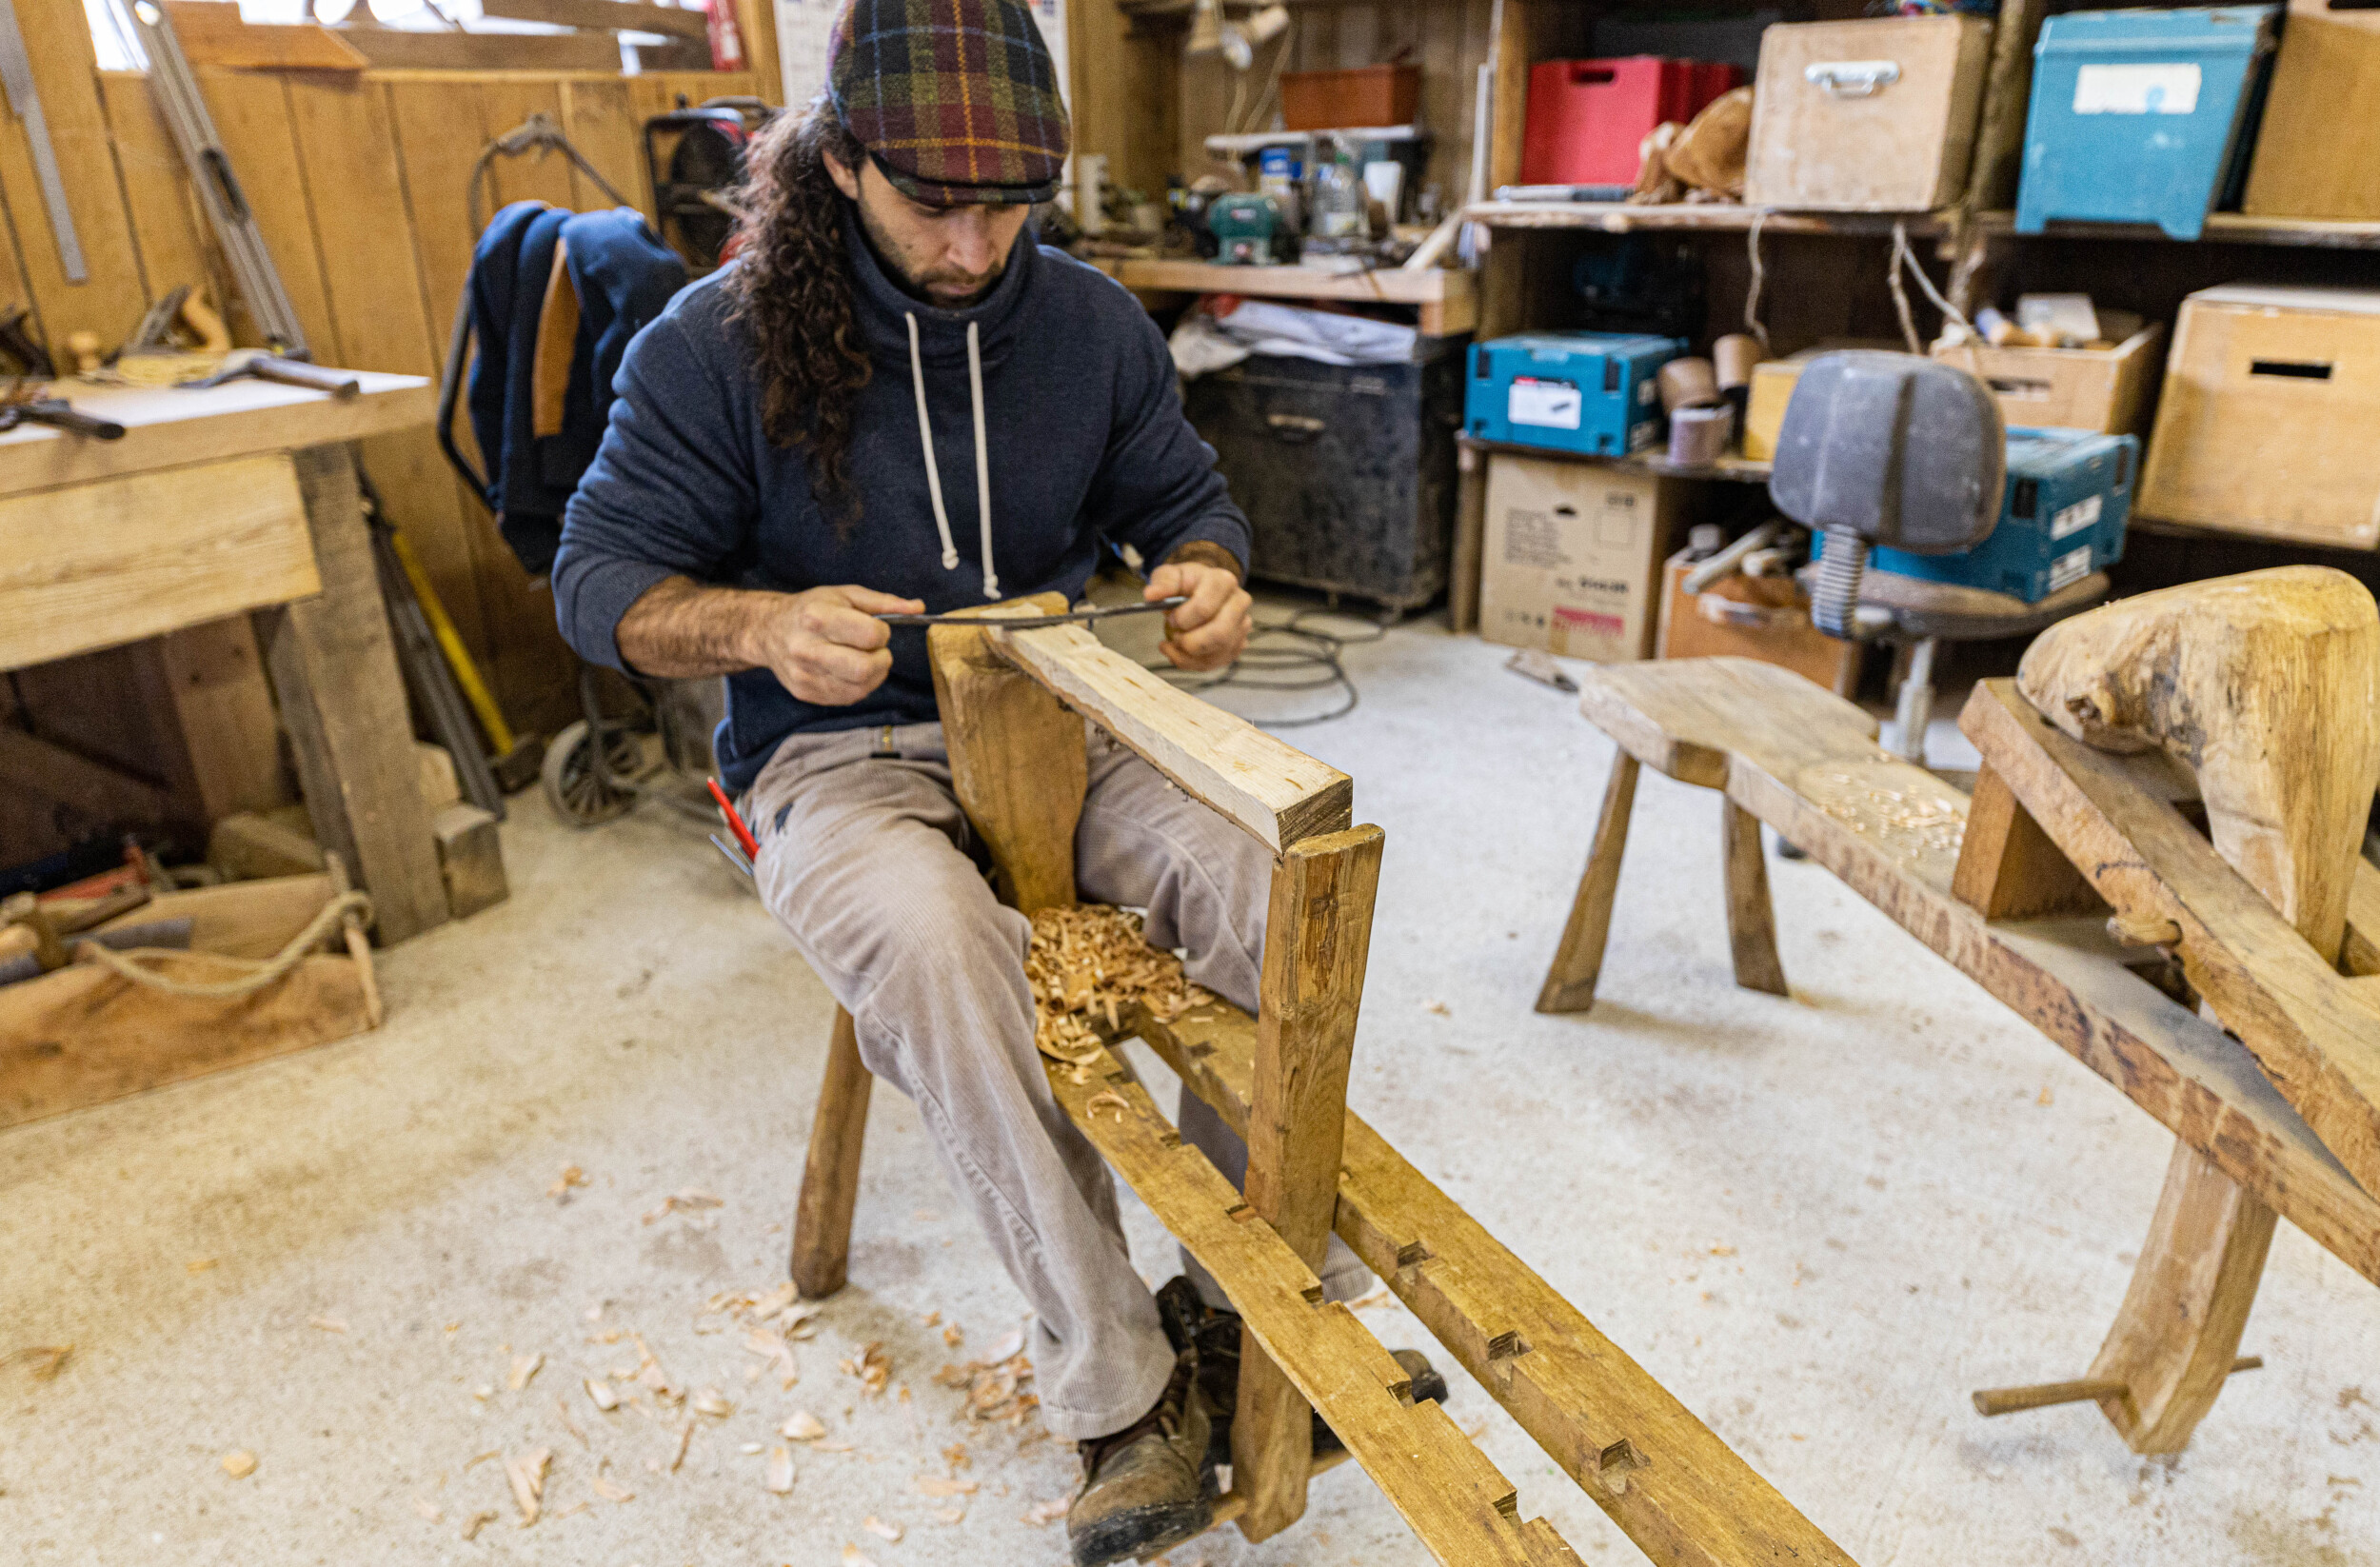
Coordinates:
(671, 493)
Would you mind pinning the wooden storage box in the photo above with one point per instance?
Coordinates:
(1764, 618)
(1571, 557)
(1873, 116)
(2103, 389)
(1342, 100)
(1773, 382)
(2318, 154)
(2271, 413)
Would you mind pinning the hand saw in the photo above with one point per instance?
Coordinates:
(1027, 623)
(17, 76)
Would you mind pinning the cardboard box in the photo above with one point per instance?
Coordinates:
(2317, 157)
(1866, 116)
(2103, 389)
(1572, 556)
(2269, 416)
(1772, 388)
(1764, 618)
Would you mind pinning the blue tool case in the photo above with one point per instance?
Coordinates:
(2070, 493)
(2144, 116)
(1586, 392)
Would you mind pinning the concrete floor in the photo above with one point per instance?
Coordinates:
(1821, 1221)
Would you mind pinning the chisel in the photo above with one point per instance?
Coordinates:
(17, 76)
(1027, 623)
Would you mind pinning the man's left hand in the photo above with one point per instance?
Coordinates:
(1209, 631)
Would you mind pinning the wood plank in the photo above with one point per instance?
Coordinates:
(50, 782)
(1317, 936)
(1578, 959)
(1739, 730)
(1453, 1498)
(171, 427)
(251, 114)
(390, 48)
(2360, 953)
(1017, 759)
(65, 72)
(603, 15)
(99, 564)
(239, 918)
(596, 117)
(2316, 1039)
(2007, 868)
(1681, 1493)
(169, 231)
(83, 1035)
(1751, 923)
(216, 691)
(1274, 791)
(1446, 298)
(470, 857)
(334, 669)
(212, 33)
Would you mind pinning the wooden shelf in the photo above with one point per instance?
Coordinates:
(2222, 229)
(1735, 469)
(1446, 300)
(1613, 217)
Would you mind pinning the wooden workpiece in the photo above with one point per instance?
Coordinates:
(1017, 759)
(1806, 762)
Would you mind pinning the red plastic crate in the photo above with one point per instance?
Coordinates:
(1587, 117)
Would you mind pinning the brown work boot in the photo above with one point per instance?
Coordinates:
(1145, 1488)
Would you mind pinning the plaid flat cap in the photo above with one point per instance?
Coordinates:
(957, 100)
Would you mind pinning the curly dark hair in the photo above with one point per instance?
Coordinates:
(794, 291)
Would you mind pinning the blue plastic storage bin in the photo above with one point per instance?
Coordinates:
(2144, 116)
(1586, 392)
(2070, 493)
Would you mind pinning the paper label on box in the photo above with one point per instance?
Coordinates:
(1547, 404)
(2075, 518)
(2069, 567)
(2136, 90)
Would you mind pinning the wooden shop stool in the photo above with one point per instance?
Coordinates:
(1279, 1078)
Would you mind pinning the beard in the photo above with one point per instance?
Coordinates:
(946, 288)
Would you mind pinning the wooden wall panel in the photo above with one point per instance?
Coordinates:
(168, 229)
(67, 74)
(252, 115)
(597, 118)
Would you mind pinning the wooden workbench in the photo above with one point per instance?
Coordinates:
(242, 498)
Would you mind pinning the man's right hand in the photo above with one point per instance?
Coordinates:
(825, 645)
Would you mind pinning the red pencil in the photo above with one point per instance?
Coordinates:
(744, 834)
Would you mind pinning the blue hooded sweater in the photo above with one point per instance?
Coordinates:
(1082, 439)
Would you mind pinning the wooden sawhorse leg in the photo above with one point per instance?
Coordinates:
(1750, 920)
(830, 1179)
(1579, 961)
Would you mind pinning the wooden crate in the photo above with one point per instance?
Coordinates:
(2104, 389)
(1819, 142)
(2270, 403)
(2318, 154)
(1774, 626)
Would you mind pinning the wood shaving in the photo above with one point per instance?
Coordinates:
(578, 1507)
(524, 1368)
(572, 1176)
(526, 1475)
(650, 1375)
(956, 1457)
(328, 1324)
(953, 1336)
(1909, 827)
(44, 1360)
(1043, 1513)
(478, 1520)
(685, 1435)
(239, 1463)
(712, 1402)
(851, 1557)
(1438, 1007)
(889, 1533)
(429, 1510)
(689, 1201)
(873, 1368)
(604, 1397)
(609, 1492)
(950, 1515)
(1092, 961)
(765, 1342)
(932, 1318)
(570, 1426)
(781, 1470)
(1107, 1099)
(995, 1388)
(478, 1458)
(802, 1426)
(943, 1486)
(198, 1264)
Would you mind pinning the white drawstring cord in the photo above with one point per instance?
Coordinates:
(925, 439)
(983, 463)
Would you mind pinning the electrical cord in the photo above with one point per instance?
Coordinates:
(1289, 655)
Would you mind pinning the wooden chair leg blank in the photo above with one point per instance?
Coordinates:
(1579, 961)
(1317, 936)
(1751, 921)
(830, 1179)
(1990, 1401)
(2176, 1339)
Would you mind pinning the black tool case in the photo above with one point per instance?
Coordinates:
(1346, 472)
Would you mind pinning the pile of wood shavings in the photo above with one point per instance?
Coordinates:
(1092, 961)
(1931, 826)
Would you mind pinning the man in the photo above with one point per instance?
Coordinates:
(791, 442)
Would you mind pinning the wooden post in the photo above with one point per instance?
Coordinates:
(1579, 961)
(1017, 762)
(334, 668)
(830, 1177)
(1317, 935)
(2007, 868)
(1751, 921)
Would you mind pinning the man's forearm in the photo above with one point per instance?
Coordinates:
(1207, 552)
(679, 629)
